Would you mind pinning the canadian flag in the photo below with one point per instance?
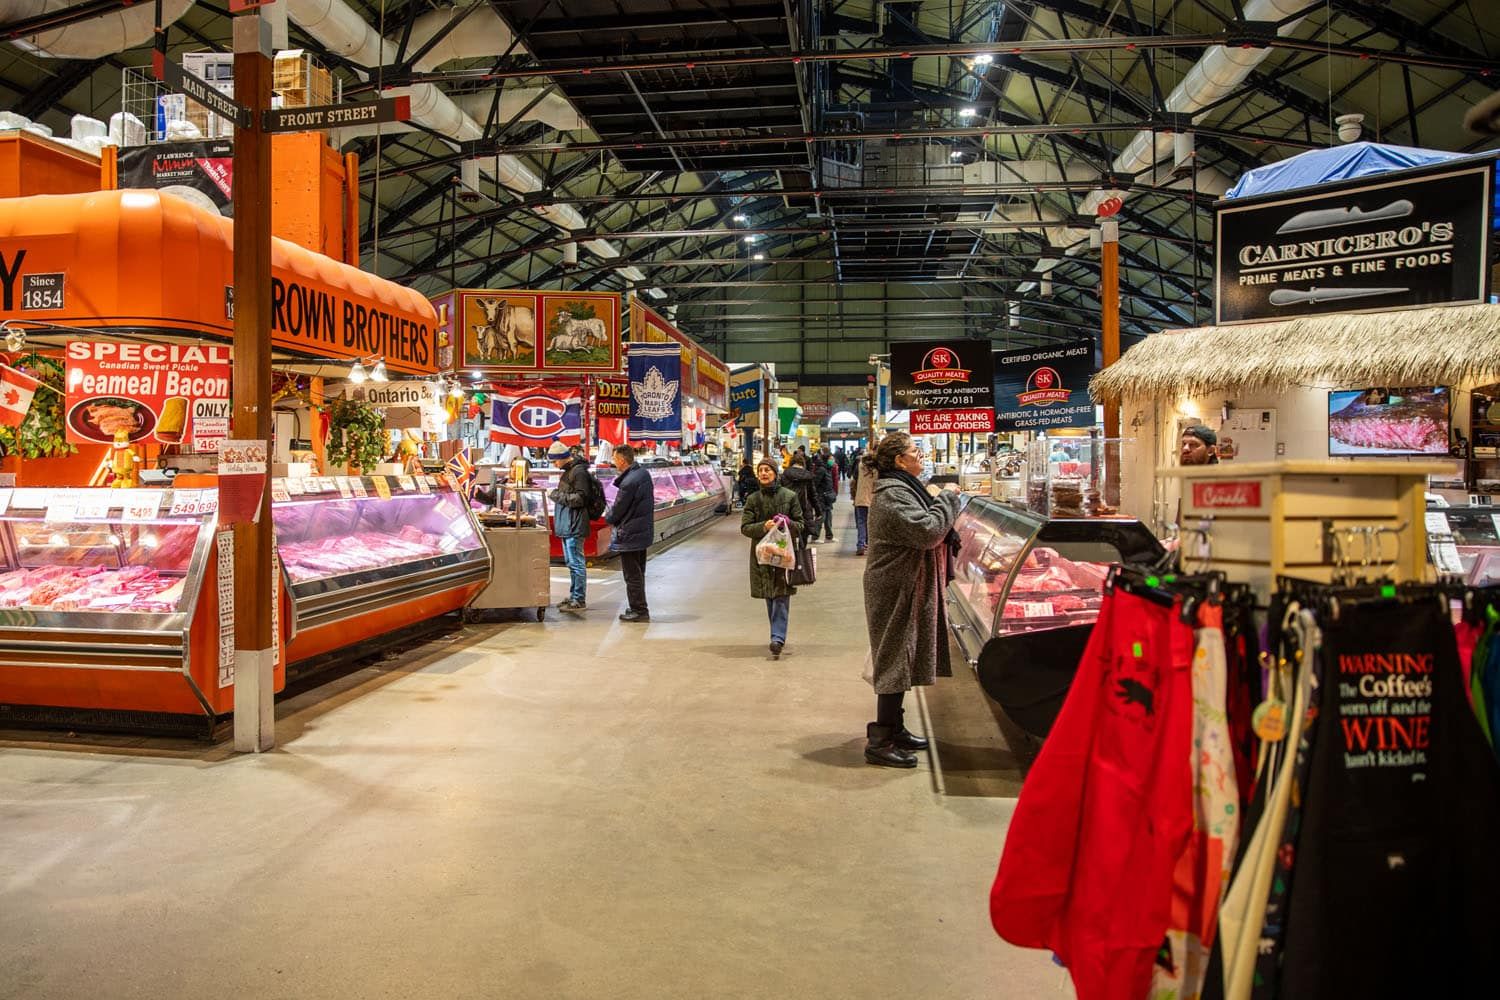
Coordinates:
(16, 390)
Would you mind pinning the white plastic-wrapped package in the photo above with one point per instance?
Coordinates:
(42, 130)
(179, 129)
(85, 127)
(10, 120)
(126, 129)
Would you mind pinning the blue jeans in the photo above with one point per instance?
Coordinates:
(778, 609)
(577, 574)
(862, 526)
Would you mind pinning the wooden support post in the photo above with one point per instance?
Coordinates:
(254, 645)
(1109, 301)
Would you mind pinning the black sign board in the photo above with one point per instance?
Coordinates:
(42, 291)
(201, 172)
(1394, 241)
(1042, 387)
(181, 81)
(941, 374)
(387, 109)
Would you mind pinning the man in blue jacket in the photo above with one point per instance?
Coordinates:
(633, 518)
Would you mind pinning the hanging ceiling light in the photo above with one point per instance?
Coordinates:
(741, 217)
(455, 390)
(957, 154)
(760, 256)
(752, 238)
(966, 112)
(377, 374)
(357, 373)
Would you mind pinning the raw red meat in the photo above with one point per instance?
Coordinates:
(1419, 423)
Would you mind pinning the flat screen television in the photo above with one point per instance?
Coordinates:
(1389, 421)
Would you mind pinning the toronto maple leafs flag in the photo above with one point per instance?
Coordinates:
(655, 392)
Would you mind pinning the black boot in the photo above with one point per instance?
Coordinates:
(907, 740)
(881, 749)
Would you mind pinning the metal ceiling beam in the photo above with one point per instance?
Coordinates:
(1233, 37)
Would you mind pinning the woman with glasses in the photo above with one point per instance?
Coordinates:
(910, 530)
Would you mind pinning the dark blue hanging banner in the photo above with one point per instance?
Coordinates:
(655, 392)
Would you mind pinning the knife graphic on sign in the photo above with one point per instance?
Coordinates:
(1315, 296)
(1328, 218)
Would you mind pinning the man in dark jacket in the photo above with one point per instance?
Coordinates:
(803, 482)
(828, 491)
(570, 518)
(632, 515)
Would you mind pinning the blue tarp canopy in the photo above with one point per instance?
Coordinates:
(1337, 163)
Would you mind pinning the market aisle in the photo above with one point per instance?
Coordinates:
(576, 809)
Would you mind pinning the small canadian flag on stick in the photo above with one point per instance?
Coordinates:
(16, 390)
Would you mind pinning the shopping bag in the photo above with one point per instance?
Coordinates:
(806, 570)
(775, 548)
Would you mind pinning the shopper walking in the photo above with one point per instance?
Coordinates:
(801, 480)
(570, 518)
(769, 501)
(746, 484)
(910, 525)
(633, 518)
(828, 491)
(863, 488)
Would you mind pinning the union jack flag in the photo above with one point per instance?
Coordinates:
(462, 471)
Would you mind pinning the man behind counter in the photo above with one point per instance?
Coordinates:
(1199, 446)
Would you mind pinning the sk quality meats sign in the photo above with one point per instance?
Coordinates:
(163, 393)
(1415, 238)
(941, 375)
(1041, 387)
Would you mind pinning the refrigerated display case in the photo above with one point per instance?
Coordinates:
(1475, 533)
(368, 555)
(686, 496)
(116, 606)
(1025, 594)
(1065, 474)
(110, 604)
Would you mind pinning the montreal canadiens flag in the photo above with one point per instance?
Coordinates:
(16, 390)
(535, 417)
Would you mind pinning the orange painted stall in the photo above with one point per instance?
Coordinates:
(114, 602)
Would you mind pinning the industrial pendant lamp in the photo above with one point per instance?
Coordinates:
(357, 373)
(377, 374)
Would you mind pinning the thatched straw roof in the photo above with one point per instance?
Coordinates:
(1446, 345)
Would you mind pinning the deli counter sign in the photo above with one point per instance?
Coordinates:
(941, 375)
(1400, 240)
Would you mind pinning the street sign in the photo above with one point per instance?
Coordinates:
(181, 81)
(387, 109)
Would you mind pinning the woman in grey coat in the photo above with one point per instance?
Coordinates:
(904, 582)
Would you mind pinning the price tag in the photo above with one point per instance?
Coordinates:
(209, 502)
(294, 487)
(422, 487)
(358, 486)
(345, 490)
(1037, 609)
(382, 487)
(4, 500)
(279, 493)
(185, 503)
(1437, 523)
(1494, 519)
(93, 506)
(141, 505)
(30, 499)
(64, 511)
(406, 483)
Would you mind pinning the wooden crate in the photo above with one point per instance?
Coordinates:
(299, 81)
(1270, 518)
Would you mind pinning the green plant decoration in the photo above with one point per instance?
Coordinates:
(356, 434)
(42, 433)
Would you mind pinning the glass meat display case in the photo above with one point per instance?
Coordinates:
(1475, 533)
(109, 604)
(685, 495)
(1025, 594)
(357, 551)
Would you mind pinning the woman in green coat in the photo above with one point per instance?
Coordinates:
(770, 582)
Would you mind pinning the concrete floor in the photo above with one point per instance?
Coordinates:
(579, 808)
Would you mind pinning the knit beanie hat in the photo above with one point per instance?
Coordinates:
(769, 462)
(558, 451)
